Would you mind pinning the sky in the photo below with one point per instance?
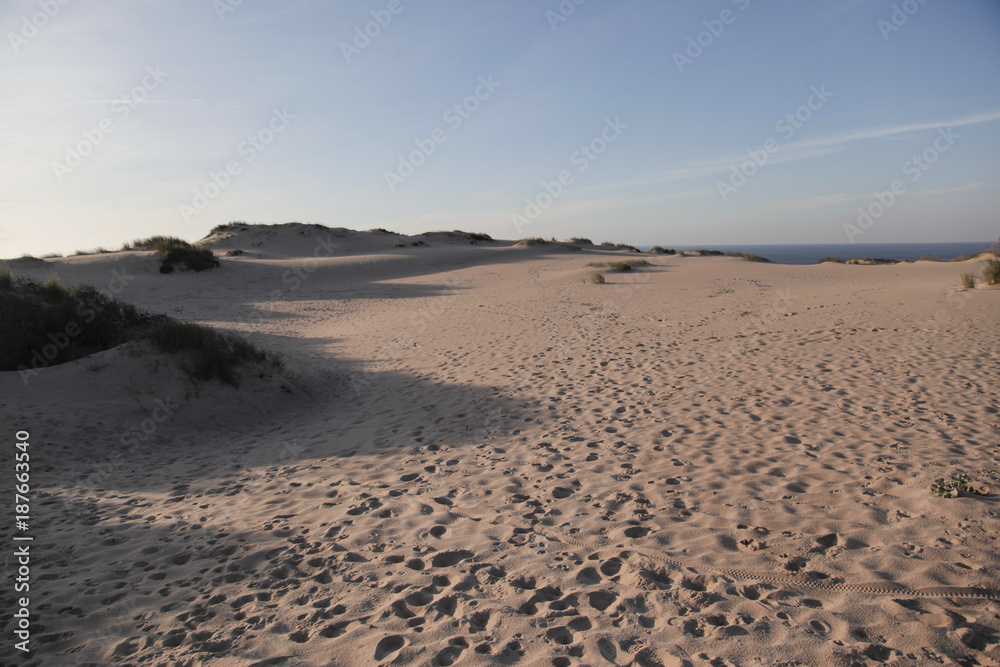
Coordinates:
(669, 122)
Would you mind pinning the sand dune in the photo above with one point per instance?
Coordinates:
(476, 458)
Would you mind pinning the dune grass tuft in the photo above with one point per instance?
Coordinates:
(837, 260)
(53, 291)
(537, 240)
(595, 278)
(748, 256)
(176, 251)
(228, 226)
(969, 280)
(581, 239)
(207, 353)
(99, 250)
(991, 272)
(459, 235)
(660, 250)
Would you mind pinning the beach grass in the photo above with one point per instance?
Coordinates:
(49, 324)
(175, 251)
(991, 272)
(537, 241)
(968, 280)
(748, 256)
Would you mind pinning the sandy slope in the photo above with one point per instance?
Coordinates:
(477, 459)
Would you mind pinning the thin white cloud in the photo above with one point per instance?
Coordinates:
(882, 132)
(948, 191)
(802, 150)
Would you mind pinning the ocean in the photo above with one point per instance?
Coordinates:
(812, 253)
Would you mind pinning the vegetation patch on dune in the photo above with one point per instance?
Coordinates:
(174, 251)
(235, 225)
(622, 246)
(539, 241)
(459, 235)
(991, 273)
(48, 324)
(660, 250)
(748, 256)
(620, 267)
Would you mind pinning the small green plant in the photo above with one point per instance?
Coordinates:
(53, 291)
(581, 239)
(595, 279)
(969, 280)
(958, 484)
(6, 277)
(660, 250)
(991, 273)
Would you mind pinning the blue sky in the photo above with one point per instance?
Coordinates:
(723, 121)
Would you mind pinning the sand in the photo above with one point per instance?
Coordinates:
(473, 457)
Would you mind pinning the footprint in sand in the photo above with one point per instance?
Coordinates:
(449, 655)
(388, 646)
